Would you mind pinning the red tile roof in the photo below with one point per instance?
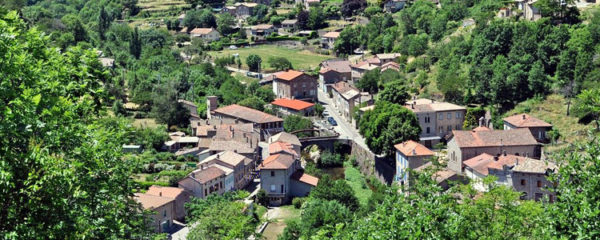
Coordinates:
(412, 148)
(525, 121)
(483, 162)
(277, 161)
(207, 174)
(202, 30)
(150, 202)
(248, 114)
(292, 104)
(288, 75)
(282, 147)
(493, 138)
(171, 192)
(300, 176)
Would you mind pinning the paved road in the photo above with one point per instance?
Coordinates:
(344, 128)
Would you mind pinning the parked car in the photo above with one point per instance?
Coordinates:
(332, 121)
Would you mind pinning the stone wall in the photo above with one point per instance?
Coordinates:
(372, 165)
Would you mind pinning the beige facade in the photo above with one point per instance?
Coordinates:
(163, 211)
(436, 119)
(295, 85)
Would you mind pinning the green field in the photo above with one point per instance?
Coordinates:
(300, 59)
(358, 183)
(160, 5)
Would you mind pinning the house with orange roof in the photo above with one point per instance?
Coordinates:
(328, 40)
(409, 155)
(179, 195)
(484, 165)
(263, 122)
(203, 182)
(537, 127)
(283, 178)
(206, 34)
(293, 84)
(293, 106)
(345, 97)
(163, 210)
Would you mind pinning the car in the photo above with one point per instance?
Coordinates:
(332, 121)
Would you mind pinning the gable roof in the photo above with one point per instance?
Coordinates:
(207, 174)
(412, 148)
(331, 35)
(300, 176)
(282, 147)
(387, 55)
(290, 21)
(288, 75)
(231, 145)
(285, 137)
(202, 31)
(427, 105)
(346, 90)
(248, 114)
(277, 162)
(150, 202)
(171, 192)
(493, 138)
(341, 66)
(525, 120)
(228, 157)
(292, 104)
(483, 162)
(262, 26)
(529, 165)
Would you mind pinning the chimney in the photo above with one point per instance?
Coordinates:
(524, 117)
(412, 105)
(211, 105)
(432, 101)
(235, 150)
(414, 152)
(160, 194)
(496, 158)
(504, 152)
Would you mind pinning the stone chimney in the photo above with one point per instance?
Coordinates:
(414, 152)
(211, 104)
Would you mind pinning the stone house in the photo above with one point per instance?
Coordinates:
(328, 40)
(203, 182)
(282, 177)
(292, 106)
(467, 144)
(483, 165)
(344, 98)
(530, 178)
(409, 155)
(264, 123)
(293, 84)
(333, 71)
(284, 137)
(360, 68)
(262, 30)
(180, 197)
(537, 127)
(387, 57)
(290, 25)
(163, 208)
(243, 10)
(233, 161)
(436, 119)
(206, 34)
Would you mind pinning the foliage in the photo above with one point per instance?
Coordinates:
(228, 219)
(294, 122)
(329, 159)
(352, 7)
(280, 63)
(254, 103)
(386, 125)
(224, 23)
(369, 81)
(337, 190)
(262, 198)
(59, 164)
(588, 105)
(298, 201)
(319, 109)
(472, 117)
(199, 19)
(316, 19)
(316, 214)
(394, 92)
(253, 61)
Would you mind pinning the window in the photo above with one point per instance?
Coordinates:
(205, 192)
(272, 188)
(427, 120)
(538, 196)
(458, 127)
(440, 116)
(164, 213)
(449, 115)
(539, 183)
(523, 196)
(272, 173)
(221, 185)
(441, 129)
(428, 130)
(282, 188)
(523, 182)
(449, 128)
(458, 115)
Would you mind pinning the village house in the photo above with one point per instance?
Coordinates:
(283, 137)
(333, 71)
(530, 178)
(265, 123)
(206, 34)
(525, 9)
(328, 40)
(290, 25)
(282, 177)
(229, 10)
(179, 195)
(409, 155)
(360, 68)
(484, 165)
(537, 127)
(465, 145)
(436, 119)
(244, 9)
(442, 176)
(163, 208)
(203, 182)
(283, 148)
(387, 57)
(344, 98)
(293, 106)
(393, 6)
(390, 66)
(178, 143)
(262, 30)
(191, 107)
(231, 160)
(293, 84)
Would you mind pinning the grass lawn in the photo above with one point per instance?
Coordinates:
(160, 5)
(277, 225)
(358, 183)
(300, 59)
(553, 110)
(146, 122)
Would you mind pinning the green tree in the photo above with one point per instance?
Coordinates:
(280, 63)
(472, 117)
(370, 81)
(394, 92)
(62, 176)
(199, 19)
(103, 23)
(75, 26)
(587, 105)
(253, 102)
(228, 219)
(225, 23)
(338, 190)
(316, 18)
(386, 125)
(262, 198)
(135, 44)
(347, 42)
(253, 61)
(293, 123)
(319, 109)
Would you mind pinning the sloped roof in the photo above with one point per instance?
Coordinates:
(262, 26)
(277, 161)
(289, 21)
(412, 148)
(341, 66)
(248, 114)
(331, 35)
(529, 165)
(231, 145)
(300, 176)
(207, 174)
(387, 55)
(526, 120)
(150, 202)
(288, 75)
(282, 147)
(285, 137)
(171, 192)
(202, 30)
(494, 138)
(427, 105)
(346, 90)
(228, 157)
(246, 4)
(292, 104)
(483, 162)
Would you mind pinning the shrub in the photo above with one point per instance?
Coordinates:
(330, 160)
(262, 198)
(297, 202)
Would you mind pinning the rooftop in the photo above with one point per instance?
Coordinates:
(288, 75)
(248, 114)
(262, 26)
(483, 162)
(346, 90)
(525, 120)
(231, 145)
(228, 157)
(427, 105)
(388, 55)
(300, 176)
(150, 202)
(412, 148)
(202, 30)
(289, 21)
(331, 35)
(494, 138)
(207, 174)
(246, 4)
(282, 147)
(277, 161)
(338, 65)
(170, 192)
(292, 104)
(285, 137)
(529, 165)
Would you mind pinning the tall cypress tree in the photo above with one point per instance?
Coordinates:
(103, 23)
(135, 44)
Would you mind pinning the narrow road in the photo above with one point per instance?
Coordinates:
(344, 128)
